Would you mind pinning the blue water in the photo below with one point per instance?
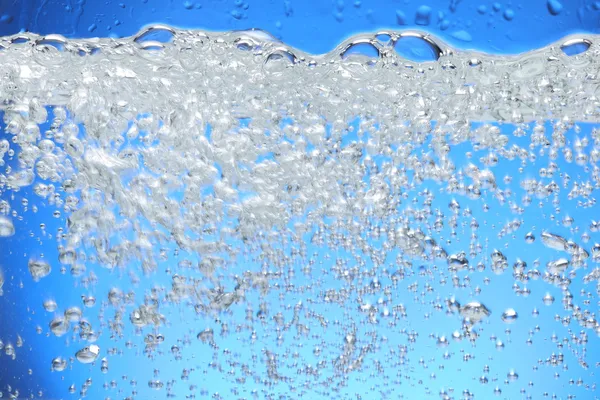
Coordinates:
(316, 27)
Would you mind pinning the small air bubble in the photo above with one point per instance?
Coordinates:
(529, 238)
(575, 46)
(509, 316)
(548, 299)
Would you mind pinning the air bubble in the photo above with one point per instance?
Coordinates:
(474, 62)
(554, 241)
(151, 46)
(417, 47)
(155, 34)
(59, 326)
(557, 266)
(574, 47)
(20, 39)
(360, 51)
(190, 54)
(59, 364)
(442, 341)
(73, 314)
(245, 44)
(38, 269)
(548, 299)
(206, 336)
(50, 305)
(509, 316)
(258, 37)
(474, 312)
(529, 238)
(88, 301)
(278, 61)
(384, 38)
(48, 42)
(88, 355)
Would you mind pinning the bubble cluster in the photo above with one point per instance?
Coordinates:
(309, 219)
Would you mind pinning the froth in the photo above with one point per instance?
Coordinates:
(168, 64)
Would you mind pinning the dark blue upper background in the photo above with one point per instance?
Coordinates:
(317, 25)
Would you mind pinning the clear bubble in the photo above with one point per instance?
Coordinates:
(509, 316)
(474, 312)
(548, 299)
(38, 269)
(73, 314)
(50, 305)
(88, 354)
(512, 376)
(59, 364)
(59, 326)
(557, 266)
(554, 241)
(88, 301)
(417, 47)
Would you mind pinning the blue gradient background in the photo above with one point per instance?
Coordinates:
(314, 26)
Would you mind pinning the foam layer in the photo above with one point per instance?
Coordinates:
(167, 63)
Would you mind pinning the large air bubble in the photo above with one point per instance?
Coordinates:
(417, 47)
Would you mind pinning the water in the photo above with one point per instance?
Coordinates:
(239, 219)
